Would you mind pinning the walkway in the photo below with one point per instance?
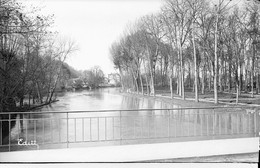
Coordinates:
(137, 153)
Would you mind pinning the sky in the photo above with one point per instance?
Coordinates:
(94, 25)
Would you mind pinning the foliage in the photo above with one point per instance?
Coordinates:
(31, 56)
(93, 77)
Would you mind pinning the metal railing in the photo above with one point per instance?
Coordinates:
(40, 130)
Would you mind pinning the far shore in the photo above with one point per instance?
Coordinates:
(205, 100)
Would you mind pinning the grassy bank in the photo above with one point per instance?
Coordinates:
(205, 100)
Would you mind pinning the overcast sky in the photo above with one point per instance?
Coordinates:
(94, 25)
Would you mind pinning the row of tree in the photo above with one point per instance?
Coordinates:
(192, 44)
(31, 56)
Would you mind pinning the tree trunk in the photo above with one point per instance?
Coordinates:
(257, 82)
(161, 72)
(246, 80)
(237, 93)
(182, 71)
(29, 99)
(135, 81)
(151, 79)
(189, 75)
(146, 80)
(216, 64)
(252, 71)
(171, 79)
(240, 78)
(195, 67)
(221, 76)
(141, 81)
(203, 80)
(229, 76)
(211, 76)
(237, 83)
(121, 80)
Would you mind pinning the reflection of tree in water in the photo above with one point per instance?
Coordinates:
(97, 94)
(229, 121)
(129, 102)
(197, 111)
(150, 104)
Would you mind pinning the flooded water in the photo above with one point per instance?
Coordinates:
(103, 99)
(124, 124)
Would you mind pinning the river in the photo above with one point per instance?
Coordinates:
(103, 99)
(59, 130)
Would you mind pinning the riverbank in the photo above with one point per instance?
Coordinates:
(35, 106)
(205, 100)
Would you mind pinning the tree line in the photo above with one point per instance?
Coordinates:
(31, 56)
(198, 45)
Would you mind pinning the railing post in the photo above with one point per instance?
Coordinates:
(26, 129)
(188, 123)
(83, 130)
(220, 129)
(213, 123)
(35, 137)
(155, 127)
(257, 115)
(169, 127)
(134, 128)
(105, 128)
(148, 127)
(120, 128)
(142, 124)
(98, 128)
(175, 125)
(227, 124)
(195, 124)
(238, 130)
(75, 129)
(59, 129)
(258, 124)
(1, 136)
(9, 121)
(43, 131)
(67, 129)
(113, 120)
(231, 124)
(90, 129)
(207, 119)
(51, 130)
(248, 125)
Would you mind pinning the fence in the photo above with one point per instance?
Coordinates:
(40, 130)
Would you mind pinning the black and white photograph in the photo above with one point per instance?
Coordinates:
(129, 83)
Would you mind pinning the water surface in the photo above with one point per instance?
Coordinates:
(55, 130)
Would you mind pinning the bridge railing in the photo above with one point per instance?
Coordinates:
(63, 129)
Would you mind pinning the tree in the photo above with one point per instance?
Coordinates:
(30, 59)
(220, 43)
(196, 7)
(93, 77)
(220, 9)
